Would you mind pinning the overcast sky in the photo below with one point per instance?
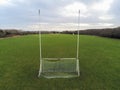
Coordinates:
(59, 14)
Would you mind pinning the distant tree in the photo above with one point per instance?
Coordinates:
(2, 33)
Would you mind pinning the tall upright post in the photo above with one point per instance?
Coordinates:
(77, 56)
(78, 35)
(40, 69)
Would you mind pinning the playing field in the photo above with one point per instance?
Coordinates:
(99, 62)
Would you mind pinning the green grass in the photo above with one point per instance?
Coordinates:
(99, 62)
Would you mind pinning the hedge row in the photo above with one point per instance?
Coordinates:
(108, 32)
(12, 32)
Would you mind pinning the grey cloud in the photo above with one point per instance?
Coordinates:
(26, 12)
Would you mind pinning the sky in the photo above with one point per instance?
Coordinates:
(59, 14)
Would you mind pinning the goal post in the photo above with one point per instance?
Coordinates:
(40, 47)
(59, 67)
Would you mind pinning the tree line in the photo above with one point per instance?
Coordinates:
(107, 32)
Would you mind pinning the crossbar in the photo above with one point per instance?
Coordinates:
(58, 58)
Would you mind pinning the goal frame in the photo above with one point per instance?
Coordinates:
(75, 58)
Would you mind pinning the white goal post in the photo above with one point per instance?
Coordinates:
(59, 67)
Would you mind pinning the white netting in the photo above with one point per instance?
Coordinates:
(59, 68)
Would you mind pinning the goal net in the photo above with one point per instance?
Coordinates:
(59, 67)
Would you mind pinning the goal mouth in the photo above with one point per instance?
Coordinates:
(59, 68)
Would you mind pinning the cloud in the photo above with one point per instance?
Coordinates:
(72, 9)
(102, 6)
(56, 26)
(105, 24)
(94, 13)
(66, 26)
(6, 3)
(3, 2)
(98, 9)
(106, 17)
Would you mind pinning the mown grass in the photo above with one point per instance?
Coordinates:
(99, 62)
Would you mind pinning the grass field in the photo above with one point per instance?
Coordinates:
(99, 62)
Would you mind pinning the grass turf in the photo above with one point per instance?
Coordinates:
(99, 62)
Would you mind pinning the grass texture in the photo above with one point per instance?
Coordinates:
(99, 62)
